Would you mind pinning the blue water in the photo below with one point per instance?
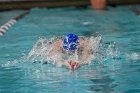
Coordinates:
(117, 74)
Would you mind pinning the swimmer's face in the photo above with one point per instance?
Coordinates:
(68, 52)
(71, 52)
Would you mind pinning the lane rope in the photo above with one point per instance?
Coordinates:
(134, 9)
(4, 28)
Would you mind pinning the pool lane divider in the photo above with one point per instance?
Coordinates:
(10, 23)
(134, 9)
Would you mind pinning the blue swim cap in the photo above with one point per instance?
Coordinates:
(70, 42)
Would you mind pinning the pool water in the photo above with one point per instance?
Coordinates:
(117, 72)
(5, 16)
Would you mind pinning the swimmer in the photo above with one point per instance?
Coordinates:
(75, 51)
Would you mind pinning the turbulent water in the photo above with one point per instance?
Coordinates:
(40, 52)
(115, 63)
(106, 60)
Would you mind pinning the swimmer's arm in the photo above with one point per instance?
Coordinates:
(66, 64)
(86, 52)
(55, 47)
(86, 56)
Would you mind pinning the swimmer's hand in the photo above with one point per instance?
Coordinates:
(73, 65)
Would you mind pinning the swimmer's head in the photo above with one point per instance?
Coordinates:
(70, 42)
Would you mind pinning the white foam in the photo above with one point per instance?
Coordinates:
(134, 56)
(112, 50)
(86, 23)
(41, 50)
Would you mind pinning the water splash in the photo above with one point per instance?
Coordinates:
(41, 50)
(133, 56)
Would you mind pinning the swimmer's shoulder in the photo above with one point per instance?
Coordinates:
(83, 41)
